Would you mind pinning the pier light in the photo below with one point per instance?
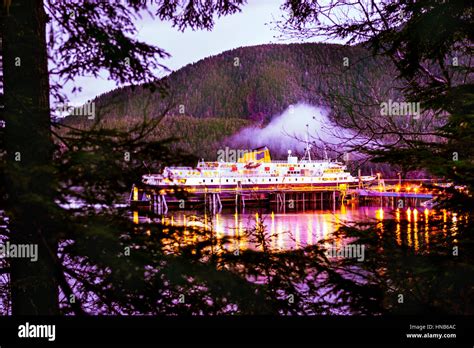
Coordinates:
(135, 193)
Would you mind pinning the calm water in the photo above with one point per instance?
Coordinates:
(297, 229)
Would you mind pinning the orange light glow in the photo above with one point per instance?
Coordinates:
(135, 193)
(379, 214)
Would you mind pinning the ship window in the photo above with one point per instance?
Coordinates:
(204, 180)
(226, 180)
(296, 179)
(212, 180)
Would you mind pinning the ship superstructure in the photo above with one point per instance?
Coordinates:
(255, 169)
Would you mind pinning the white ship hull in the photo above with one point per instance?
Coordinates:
(255, 171)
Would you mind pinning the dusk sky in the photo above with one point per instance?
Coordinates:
(252, 26)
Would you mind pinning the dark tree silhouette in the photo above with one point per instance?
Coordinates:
(430, 44)
(62, 189)
(84, 37)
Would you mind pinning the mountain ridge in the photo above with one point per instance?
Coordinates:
(255, 82)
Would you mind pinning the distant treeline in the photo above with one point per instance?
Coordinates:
(258, 82)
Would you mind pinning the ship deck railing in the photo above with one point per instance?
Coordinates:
(248, 176)
(279, 188)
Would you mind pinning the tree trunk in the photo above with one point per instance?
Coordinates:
(29, 173)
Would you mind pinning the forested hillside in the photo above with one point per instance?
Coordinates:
(248, 85)
(258, 82)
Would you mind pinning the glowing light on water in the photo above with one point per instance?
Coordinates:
(427, 234)
(325, 226)
(398, 234)
(445, 220)
(219, 229)
(380, 226)
(343, 209)
(379, 214)
(135, 217)
(415, 229)
(236, 220)
(296, 230)
(409, 234)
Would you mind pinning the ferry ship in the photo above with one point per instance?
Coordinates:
(255, 169)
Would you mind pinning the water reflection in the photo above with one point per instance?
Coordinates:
(295, 230)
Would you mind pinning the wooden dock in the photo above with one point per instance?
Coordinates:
(283, 196)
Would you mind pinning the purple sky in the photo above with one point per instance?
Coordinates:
(250, 27)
